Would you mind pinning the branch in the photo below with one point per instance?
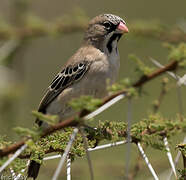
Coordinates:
(117, 132)
(73, 120)
(36, 27)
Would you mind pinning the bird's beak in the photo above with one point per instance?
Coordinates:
(122, 28)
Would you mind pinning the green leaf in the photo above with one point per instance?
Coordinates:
(50, 119)
(141, 67)
(85, 102)
(179, 54)
(26, 132)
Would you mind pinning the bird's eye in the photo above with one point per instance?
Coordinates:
(107, 25)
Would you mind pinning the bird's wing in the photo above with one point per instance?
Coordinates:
(68, 76)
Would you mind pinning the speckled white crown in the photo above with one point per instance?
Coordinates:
(113, 18)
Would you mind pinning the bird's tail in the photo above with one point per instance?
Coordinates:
(33, 169)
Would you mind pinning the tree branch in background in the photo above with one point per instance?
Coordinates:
(36, 27)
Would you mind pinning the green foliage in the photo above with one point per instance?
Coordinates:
(79, 17)
(182, 172)
(37, 25)
(4, 142)
(178, 53)
(182, 148)
(85, 102)
(141, 68)
(35, 132)
(6, 30)
(26, 132)
(17, 165)
(50, 119)
(124, 84)
(149, 131)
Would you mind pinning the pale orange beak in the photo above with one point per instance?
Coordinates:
(122, 28)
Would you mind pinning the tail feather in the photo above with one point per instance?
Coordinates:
(33, 169)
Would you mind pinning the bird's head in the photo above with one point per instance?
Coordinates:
(104, 30)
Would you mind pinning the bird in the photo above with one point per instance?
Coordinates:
(93, 67)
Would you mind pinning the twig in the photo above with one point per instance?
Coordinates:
(15, 155)
(8, 48)
(176, 160)
(181, 148)
(181, 80)
(137, 167)
(163, 91)
(173, 35)
(65, 154)
(170, 156)
(171, 66)
(147, 161)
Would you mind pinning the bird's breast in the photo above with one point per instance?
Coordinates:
(103, 73)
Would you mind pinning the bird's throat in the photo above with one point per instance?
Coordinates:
(111, 45)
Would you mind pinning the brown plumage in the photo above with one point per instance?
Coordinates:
(86, 72)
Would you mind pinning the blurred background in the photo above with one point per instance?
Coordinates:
(27, 70)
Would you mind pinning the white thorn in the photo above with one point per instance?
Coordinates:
(68, 168)
(104, 107)
(65, 154)
(15, 155)
(147, 161)
(169, 156)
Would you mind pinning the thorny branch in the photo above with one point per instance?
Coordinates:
(73, 120)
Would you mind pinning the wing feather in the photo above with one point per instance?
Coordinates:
(64, 79)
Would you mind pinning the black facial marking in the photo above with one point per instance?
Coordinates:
(109, 26)
(112, 38)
